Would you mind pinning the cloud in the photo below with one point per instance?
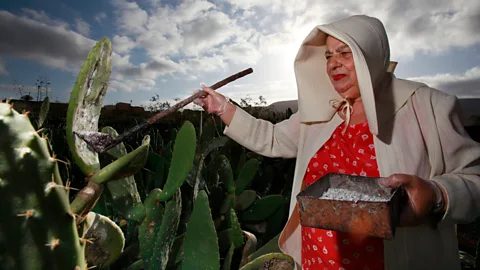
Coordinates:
(461, 85)
(43, 40)
(3, 68)
(129, 78)
(42, 17)
(429, 26)
(197, 34)
(149, 70)
(131, 85)
(99, 17)
(82, 27)
(122, 44)
(130, 17)
(192, 29)
(204, 63)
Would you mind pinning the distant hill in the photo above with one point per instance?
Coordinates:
(470, 107)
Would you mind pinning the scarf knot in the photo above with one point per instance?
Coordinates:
(345, 107)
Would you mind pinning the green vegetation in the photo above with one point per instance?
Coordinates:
(181, 197)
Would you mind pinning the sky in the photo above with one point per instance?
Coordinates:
(167, 48)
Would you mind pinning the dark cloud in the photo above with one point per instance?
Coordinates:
(54, 46)
(462, 85)
(462, 88)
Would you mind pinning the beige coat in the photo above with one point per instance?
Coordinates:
(418, 131)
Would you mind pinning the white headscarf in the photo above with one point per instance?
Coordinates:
(367, 38)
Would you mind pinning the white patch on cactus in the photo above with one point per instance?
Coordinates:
(89, 191)
(86, 119)
(90, 81)
(23, 151)
(50, 186)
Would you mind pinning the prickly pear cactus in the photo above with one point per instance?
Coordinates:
(245, 200)
(201, 249)
(167, 232)
(123, 167)
(40, 230)
(246, 175)
(86, 102)
(105, 240)
(262, 208)
(123, 192)
(181, 162)
(149, 228)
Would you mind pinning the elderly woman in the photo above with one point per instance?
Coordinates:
(356, 118)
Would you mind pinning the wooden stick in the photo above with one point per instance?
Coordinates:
(100, 142)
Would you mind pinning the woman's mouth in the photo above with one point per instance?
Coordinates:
(338, 76)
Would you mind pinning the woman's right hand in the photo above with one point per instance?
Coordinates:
(216, 103)
(213, 102)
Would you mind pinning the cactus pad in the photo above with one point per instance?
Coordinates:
(227, 262)
(148, 230)
(226, 173)
(246, 175)
(200, 246)
(262, 208)
(86, 102)
(245, 200)
(125, 166)
(123, 192)
(35, 206)
(277, 261)
(236, 232)
(105, 240)
(182, 160)
(167, 232)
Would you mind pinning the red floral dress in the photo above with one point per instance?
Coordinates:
(352, 153)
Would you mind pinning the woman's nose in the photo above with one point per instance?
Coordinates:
(333, 62)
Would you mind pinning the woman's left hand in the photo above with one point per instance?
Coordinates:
(421, 197)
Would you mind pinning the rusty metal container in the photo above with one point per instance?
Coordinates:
(352, 204)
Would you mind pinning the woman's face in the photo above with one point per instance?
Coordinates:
(341, 69)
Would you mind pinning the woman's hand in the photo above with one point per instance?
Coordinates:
(216, 103)
(213, 102)
(421, 197)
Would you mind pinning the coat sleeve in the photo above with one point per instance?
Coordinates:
(460, 171)
(263, 137)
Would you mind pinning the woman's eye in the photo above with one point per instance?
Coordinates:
(346, 53)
